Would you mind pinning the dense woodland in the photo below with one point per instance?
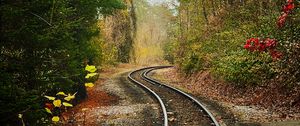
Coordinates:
(232, 39)
(249, 48)
(47, 44)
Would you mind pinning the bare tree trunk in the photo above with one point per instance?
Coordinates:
(213, 7)
(180, 23)
(198, 12)
(204, 12)
(187, 18)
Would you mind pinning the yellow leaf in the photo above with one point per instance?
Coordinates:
(67, 104)
(50, 97)
(90, 68)
(90, 75)
(70, 97)
(55, 118)
(48, 110)
(57, 103)
(89, 85)
(61, 93)
(20, 116)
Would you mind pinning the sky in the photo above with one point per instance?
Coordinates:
(156, 1)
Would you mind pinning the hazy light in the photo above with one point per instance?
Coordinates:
(156, 1)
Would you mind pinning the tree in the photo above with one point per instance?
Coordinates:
(44, 47)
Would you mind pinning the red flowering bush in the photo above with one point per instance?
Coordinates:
(252, 44)
(271, 43)
(256, 44)
(275, 54)
(281, 20)
(286, 10)
(287, 69)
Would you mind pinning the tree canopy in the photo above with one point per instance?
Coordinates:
(45, 45)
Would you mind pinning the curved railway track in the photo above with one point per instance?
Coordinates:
(177, 107)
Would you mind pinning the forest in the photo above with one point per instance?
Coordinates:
(55, 47)
(242, 42)
(45, 46)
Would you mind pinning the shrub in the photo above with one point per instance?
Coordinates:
(243, 68)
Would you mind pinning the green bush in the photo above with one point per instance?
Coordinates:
(192, 63)
(242, 68)
(168, 49)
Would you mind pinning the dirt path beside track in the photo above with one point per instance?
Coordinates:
(115, 101)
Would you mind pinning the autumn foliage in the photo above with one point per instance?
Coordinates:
(244, 43)
(255, 44)
(286, 10)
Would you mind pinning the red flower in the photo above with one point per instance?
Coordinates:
(251, 44)
(275, 54)
(281, 20)
(287, 8)
(248, 42)
(261, 47)
(270, 43)
(290, 1)
(249, 47)
(49, 106)
(291, 6)
(255, 41)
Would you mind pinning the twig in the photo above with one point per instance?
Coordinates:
(40, 18)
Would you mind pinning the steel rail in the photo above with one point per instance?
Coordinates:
(148, 79)
(163, 107)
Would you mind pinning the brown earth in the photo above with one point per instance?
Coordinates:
(114, 101)
(96, 98)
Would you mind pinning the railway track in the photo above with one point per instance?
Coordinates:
(177, 107)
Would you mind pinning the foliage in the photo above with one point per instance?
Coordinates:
(244, 69)
(288, 10)
(255, 44)
(289, 39)
(168, 49)
(56, 105)
(210, 37)
(44, 48)
(117, 35)
(91, 76)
